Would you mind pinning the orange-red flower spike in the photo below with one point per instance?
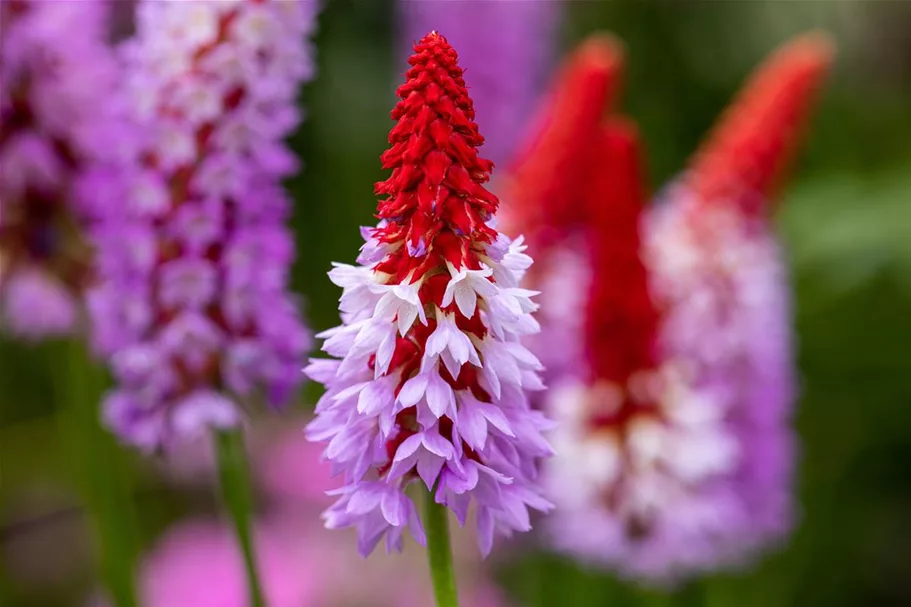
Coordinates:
(621, 319)
(753, 142)
(547, 179)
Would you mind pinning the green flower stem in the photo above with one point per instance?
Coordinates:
(237, 492)
(553, 579)
(439, 553)
(656, 598)
(98, 466)
(693, 594)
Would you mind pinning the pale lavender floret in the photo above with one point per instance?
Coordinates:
(726, 336)
(187, 283)
(203, 410)
(506, 48)
(471, 451)
(28, 160)
(199, 283)
(198, 224)
(38, 305)
(375, 509)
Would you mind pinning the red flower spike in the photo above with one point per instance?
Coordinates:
(755, 139)
(434, 199)
(621, 319)
(548, 179)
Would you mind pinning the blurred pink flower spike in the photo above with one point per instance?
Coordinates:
(198, 564)
(675, 452)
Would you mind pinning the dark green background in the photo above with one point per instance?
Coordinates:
(845, 217)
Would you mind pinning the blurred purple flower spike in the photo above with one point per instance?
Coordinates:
(192, 306)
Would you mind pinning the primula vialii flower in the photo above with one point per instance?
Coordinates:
(56, 76)
(674, 447)
(506, 49)
(431, 378)
(192, 306)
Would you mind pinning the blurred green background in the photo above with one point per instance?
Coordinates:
(845, 218)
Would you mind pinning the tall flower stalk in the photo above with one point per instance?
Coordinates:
(674, 445)
(507, 50)
(427, 384)
(192, 307)
(57, 134)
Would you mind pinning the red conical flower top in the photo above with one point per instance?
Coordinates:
(434, 199)
(548, 180)
(754, 140)
(621, 321)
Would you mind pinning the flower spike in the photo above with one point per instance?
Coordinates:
(684, 388)
(753, 142)
(192, 306)
(548, 180)
(430, 383)
(665, 332)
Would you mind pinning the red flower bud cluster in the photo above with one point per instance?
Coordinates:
(434, 200)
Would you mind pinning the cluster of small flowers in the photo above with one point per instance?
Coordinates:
(674, 445)
(429, 378)
(692, 458)
(733, 284)
(55, 78)
(192, 306)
